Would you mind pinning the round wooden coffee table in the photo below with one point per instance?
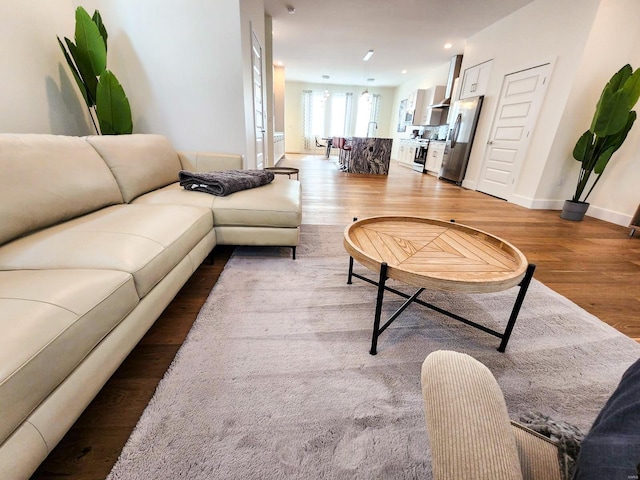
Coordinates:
(438, 255)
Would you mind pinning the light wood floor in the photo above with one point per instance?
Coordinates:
(593, 263)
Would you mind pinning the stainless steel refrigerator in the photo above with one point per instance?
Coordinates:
(462, 128)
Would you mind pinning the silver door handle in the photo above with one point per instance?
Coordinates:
(490, 142)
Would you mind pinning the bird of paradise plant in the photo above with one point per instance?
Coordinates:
(101, 90)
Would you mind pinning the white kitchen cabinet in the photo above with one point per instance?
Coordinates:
(407, 152)
(424, 114)
(435, 153)
(278, 146)
(475, 80)
(415, 99)
(411, 152)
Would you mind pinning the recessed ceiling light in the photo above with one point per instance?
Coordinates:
(403, 72)
(291, 10)
(447, 46)
(367, 56)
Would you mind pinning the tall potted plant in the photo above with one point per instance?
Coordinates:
(87, 59)
(611, 123)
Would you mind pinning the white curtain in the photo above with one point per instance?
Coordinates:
(324, 116)
(368, 112)
(313, 105)
(341, 111)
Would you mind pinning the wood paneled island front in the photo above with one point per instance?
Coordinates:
(369, 155)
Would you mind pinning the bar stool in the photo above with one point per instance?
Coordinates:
(335, 143)
(345, 149)
(340, 143)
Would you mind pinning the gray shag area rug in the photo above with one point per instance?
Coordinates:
(275, 379)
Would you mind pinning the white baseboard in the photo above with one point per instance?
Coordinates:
(537, 204)
(469, 184)
(595, 212)
(609, 216)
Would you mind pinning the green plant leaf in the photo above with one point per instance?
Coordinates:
(611, 117)
(89, 42)
(631, 88)
(88, 78)
(614, 84)
(97, 19)
(81, 86)
(583, 147)
(113, 109)
(618, 139)
(603, 159)
(620, 77)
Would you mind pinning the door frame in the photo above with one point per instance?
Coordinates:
(517, 168)
(253, 96)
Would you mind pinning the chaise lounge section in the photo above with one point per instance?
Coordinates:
(96, 239)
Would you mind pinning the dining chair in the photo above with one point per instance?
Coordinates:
(318, 145)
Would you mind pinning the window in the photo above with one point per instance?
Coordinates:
(340, 114)
(367, 118)
(325, 115)
(313, 105)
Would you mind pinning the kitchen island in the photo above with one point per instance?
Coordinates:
(369, 155)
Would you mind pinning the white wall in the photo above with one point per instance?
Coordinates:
(179, 63)
(613, 42)
(38, 95)
(587, 41)
(183, 66)
(541, 32)
(294, 138)
(279, 86)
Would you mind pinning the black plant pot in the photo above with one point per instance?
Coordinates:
(574, 211)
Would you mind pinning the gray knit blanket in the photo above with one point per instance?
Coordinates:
(567, 436)
(224, 182)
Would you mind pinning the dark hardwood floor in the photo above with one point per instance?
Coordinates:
(593, 263)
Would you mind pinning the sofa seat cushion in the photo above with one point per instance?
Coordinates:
(277, 204)
(146, 241)
(174, 194)
(50, 320)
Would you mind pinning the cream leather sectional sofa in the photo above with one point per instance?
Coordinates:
(96, 238)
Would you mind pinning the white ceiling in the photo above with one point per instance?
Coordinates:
(330, 37)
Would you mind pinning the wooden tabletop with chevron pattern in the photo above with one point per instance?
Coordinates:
(435, 254)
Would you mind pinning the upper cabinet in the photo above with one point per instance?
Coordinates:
(415, 99)
(423, 114)
(475, 80)
(426, 115)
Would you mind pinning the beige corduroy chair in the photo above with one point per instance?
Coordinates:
(469, 429)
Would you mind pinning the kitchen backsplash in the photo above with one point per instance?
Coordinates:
(432, 132)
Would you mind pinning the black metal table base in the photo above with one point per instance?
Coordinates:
(377, 329)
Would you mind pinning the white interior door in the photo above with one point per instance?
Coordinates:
(256, 55)
(520, 100)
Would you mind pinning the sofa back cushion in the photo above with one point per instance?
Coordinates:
(47, 179)
(140, 162)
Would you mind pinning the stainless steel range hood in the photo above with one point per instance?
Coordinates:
(454, 72)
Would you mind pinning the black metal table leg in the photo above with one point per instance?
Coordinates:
(524, 286)
(376, 321)
(349, 282)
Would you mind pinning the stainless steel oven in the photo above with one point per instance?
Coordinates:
(420, 158)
